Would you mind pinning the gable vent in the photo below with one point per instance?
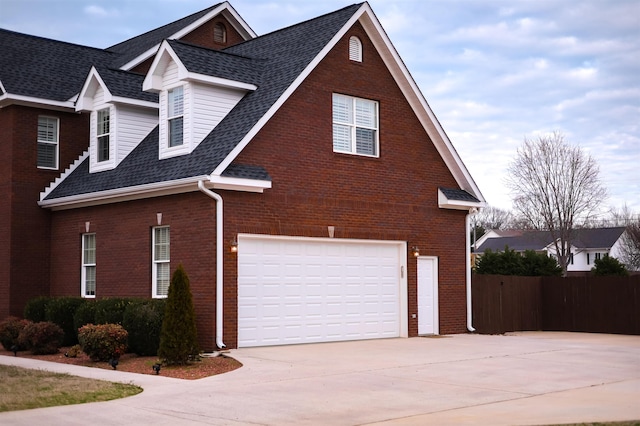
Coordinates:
(355, 49)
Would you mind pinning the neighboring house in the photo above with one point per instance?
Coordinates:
(300, 177)
(587, 245)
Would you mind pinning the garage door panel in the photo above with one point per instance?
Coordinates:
(305, 291)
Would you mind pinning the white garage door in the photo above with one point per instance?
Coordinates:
(304, 290)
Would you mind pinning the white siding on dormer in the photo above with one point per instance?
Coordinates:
(100, 104)
(134, 124)
(210, 104)
(169, 81)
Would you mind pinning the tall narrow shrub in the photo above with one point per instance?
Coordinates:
(179, 336)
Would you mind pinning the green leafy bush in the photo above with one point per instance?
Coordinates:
(41, 338)
(510, 262)
(103, 342)
(85, 314)
(61, 310)
(143, 321)
(608, 265)
(10, 329)
(35, 309)
(179, 337)
(111, 310)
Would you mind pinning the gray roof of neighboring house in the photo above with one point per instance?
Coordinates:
(47, 69)
(588, 238)
(458, 195)
(279, 58)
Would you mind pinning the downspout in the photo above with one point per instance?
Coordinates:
(219, 260)
(472, 211)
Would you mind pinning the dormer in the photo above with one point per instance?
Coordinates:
(120, 118)
(193, 99)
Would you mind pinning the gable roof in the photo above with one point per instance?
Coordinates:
(36, 69)
(585, 239)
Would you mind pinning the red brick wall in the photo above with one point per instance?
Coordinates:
(203, 35)
(28, 264)
(6, 150)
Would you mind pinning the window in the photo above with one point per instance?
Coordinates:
(597, 256)
(103, 135)
(176, 110)
(160, 267)
(355, 125)
(219, 33)
(355, 49)
(571, 258)
(88, 275)
(587, 258)
(48, 131)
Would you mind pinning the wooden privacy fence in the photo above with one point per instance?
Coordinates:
(587, 304)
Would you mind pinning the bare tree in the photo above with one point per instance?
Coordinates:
(629, 249)
(554, 187)
(494, 218)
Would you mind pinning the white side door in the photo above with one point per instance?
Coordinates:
(428, 295)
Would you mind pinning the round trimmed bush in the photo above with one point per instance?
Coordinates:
(103, 342)
(41, 338)
(10, 329)
(143, 321)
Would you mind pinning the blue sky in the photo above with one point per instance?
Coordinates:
(493, 71)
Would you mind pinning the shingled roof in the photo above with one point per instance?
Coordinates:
(272, 62)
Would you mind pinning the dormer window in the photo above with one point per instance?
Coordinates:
(175, 116)
(103, 131)
(355, 49)
(219, 33)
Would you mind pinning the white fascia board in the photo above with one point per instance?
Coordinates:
(417, 101)
(446, 203)
(217, 81)
(3, 90)
(153, 80)
(117, 195)
(238, 184)
(287, 93)
(135, 102)
(225, 8)
(9, 99)
(88, 91)
(64, 175)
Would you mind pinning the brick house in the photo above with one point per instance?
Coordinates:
(300, 177)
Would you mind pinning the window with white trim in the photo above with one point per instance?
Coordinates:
(160, 261)
(102, 134)
(355, 125)
(355, 49)
(88, 274)
(48, 139)
(175, 116)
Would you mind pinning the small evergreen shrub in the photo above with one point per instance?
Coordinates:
(608, 265)
(35, 309)
(85, 314)
(179, 336)
(41, 338)
(10, 329)
(111, 310)
(103, 342)
(143, 321)
(510, 262)
(61, 310)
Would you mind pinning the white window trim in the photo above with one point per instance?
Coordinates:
(85, 266)
(173, 117)
(100, 135)
(353, 127)
(155, 263)
(355, 49)
(47, 142)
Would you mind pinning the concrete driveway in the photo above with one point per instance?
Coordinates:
(520, 378)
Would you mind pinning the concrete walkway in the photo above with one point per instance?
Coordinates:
(516, 379)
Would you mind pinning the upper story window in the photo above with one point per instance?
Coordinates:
(355, 49)
(160, 263)
(175, 116)
(88, 275)
(102, 134)
(219, 33)
(355, 125)
(48, 134)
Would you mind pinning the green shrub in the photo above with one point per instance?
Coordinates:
(60, 310)
(10, 329)
(35, 309)
(608, 265)
(510, 262)
(103, 342)
(143, 321)
(85, 314)
(179, 337)
(111, 310)
(41, 338)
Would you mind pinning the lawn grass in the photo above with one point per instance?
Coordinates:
(23, 389)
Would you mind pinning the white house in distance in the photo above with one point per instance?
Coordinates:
(587, 246)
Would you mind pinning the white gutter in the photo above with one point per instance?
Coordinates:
(219, 256)
(467, 223)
